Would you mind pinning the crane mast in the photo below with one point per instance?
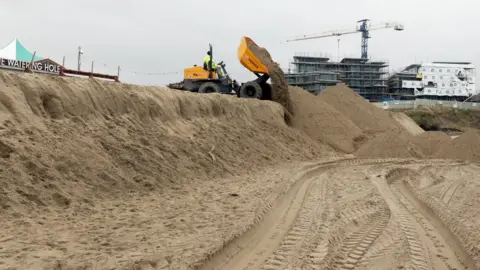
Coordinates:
(362, 27)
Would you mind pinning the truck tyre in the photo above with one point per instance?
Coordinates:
(267, 91)
(251, 90)
(209, 87)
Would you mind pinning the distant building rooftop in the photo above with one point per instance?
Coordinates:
(453, 63)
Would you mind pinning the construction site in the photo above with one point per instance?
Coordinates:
(279, 172)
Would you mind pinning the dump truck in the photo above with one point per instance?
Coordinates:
(206, 79)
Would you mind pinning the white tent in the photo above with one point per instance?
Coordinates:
(16, 51)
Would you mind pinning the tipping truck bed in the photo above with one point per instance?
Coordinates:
(248, 58)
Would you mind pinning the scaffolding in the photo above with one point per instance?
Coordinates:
(315, 73)
(395, 83)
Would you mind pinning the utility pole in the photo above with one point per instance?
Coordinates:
(80, 52)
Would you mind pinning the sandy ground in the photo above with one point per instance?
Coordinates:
(173, 228)
(359, 214)
(98, 175)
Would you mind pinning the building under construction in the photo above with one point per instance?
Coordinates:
(397, 89)
(313, 73)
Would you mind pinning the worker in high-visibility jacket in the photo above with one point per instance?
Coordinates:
(215, 68)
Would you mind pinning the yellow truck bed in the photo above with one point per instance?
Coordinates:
(248, 59)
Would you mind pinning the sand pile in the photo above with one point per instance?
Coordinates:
(363, 114)
(74, 152)
(390, 144)
(322, 122)
(430, 142)
(280, 91)
(407, 122)
(465, 147)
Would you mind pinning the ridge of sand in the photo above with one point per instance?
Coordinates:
(391, 143)
(151, 137)
(464, 147)
(407, 122)
(95, 161)
(430, 142)
(363, 114)
(322, 122)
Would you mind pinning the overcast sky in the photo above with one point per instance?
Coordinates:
(167, 36)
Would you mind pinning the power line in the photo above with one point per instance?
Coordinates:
(131, 71)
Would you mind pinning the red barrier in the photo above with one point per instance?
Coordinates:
(64, 71)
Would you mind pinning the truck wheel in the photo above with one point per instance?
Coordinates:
(209, 87)
(267, 91)
(251, 90)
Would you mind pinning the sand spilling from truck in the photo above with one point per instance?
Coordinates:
(86, 164)
(279, 84)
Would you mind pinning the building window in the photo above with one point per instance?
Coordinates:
(441, 77)
(455, 84)
(448, 70)
(425, 77)
(451, 84)
(433, 77)
(433, 70)
(440, 70)
(443, 84)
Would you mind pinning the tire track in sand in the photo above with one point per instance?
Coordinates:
(289, 251)
(450, 244)
(253, 248)
(417, 250)
(357, 244)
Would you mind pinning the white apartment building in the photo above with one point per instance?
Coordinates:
(454, 79)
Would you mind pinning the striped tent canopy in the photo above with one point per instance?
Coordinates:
(16, 51)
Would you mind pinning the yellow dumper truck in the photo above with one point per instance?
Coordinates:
(206, 79)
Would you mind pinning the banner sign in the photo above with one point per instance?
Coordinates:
(40, 66)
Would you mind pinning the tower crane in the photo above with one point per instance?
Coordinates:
(362, 26)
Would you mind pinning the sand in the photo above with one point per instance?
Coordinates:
(280, 91)
(322, 122)
(117, 168)
(390, 144)
(430, 142)
(363, 114)
(464, 147)
(407, 122)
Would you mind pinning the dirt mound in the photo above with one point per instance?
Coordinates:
(407, 122)
(280, 91)
(363, 114)
(390, 144)
(465, 147)
(78, 149)
(431, 141)
(322, 122)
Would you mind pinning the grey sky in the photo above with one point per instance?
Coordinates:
(165, 36)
